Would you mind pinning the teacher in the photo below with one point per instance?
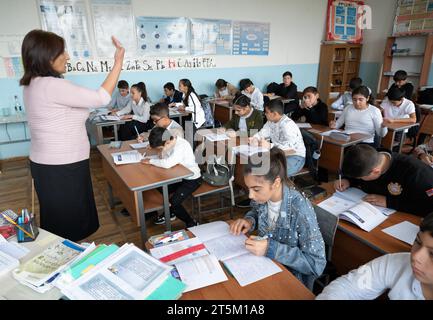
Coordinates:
(57, 111)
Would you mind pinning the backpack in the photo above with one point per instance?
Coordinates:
(217, 172)
(209, 119)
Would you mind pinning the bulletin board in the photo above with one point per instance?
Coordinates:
(413, 17)
(211, 37)
(342, 21)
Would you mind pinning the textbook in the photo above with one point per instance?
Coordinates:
(127, 274)
(348, 205)
(230, 249)
(39, 272)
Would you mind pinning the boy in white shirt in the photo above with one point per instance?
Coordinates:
(174, 150)
(253, 93)
(396, 108)
(284, 134)
(159, 113)
(408, 276)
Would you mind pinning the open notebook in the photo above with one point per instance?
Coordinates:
(230, 249)
(348, 205)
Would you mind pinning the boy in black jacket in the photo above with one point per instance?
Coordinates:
(393, 181)
(312, 108)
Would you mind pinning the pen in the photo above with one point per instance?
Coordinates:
(136, 131)
(16, 224)
(339, 178)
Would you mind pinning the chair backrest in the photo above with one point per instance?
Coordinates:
(328, 226)
(427, 125)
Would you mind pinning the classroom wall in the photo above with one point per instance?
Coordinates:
(297, 27)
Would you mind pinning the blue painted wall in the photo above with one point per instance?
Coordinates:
(202, 79)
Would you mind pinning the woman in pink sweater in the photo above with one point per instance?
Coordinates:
(57, 111)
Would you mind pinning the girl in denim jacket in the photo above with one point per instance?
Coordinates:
(287, 227)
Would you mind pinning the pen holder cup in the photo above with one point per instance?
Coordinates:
(30, 227)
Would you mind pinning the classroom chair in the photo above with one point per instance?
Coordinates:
(328, 226)
(426, 128)
(208, 190)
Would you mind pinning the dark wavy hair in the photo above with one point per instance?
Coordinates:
(38, 50)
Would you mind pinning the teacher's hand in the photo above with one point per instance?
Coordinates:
(120, 51)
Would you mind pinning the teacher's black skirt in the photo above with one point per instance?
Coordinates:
(66, 201)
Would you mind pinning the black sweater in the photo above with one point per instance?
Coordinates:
(316, 115)
(408, 175)
(408, 89)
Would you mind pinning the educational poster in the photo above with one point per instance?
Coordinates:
(113, 18)
(211, 37)
(342, 21)
(68, 19)
(12, 67)
(251, 38)
(162, 36)
(413, 17)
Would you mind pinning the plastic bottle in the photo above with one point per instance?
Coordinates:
(18, 107)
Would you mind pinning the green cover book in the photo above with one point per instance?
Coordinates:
(170, 289)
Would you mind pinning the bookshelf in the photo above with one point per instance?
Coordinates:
(339, 62)
(414, 55)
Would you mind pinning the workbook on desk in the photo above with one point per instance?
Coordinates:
(110, 118)
(230, 249)
(133, 156)
(214, 137)
(348, 205)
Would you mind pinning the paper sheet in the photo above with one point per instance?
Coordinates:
(303, 125)
(201, 272)
(139, 145)
(227, 247)
(12, 248)
(209, 231)
(249, 268)
(404, 231)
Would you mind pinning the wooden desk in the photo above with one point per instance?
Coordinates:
(129, 181)
(281, 286)
(333, 150)
(388, 140)
(222, 110)
(354, 247)
(178, 114)
(95, 126)
(11, 289)
(333, 115)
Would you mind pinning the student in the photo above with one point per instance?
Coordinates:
(140, 107)
(361, 116)
(311, 108)
(424, 152)
(253, 93)
(175, 150)
(191, 102)
(159, 113)
(288, 90)
(396, 108)
(346, 98)
(407, 275)
(246, 118)
(285, 220)
(400, 81)
(225, 90)
(392, 180)
(172, 95)
(122, 98)
(284, 134)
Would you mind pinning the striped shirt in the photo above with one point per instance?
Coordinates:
(57, 111)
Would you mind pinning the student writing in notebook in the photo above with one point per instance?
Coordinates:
(121, 98)
(159, 113)
(311, 109)
(175, 150)
(246, 118)
(286, 222)
(253, 93)
(392, 180)
(424, 151)
(407, 275)
(361, 116)
(284, 134)
(225, 90)
(140, 106)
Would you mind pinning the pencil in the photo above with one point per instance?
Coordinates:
(17, 225)
(136, 131)
(339, 177)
